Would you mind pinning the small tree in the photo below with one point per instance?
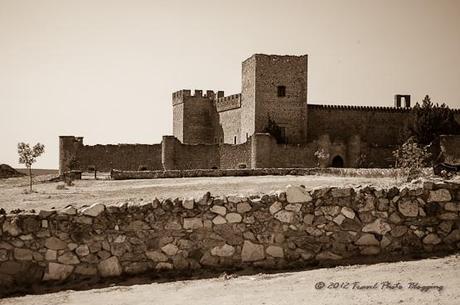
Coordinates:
(28, 156)
(411, 157)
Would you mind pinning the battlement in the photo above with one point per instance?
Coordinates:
(359, 108)
(228, 102)
(179, 96)
(275, 57)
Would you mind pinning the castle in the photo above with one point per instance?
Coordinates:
(211, 130)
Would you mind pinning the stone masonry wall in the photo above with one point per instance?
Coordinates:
(121, 156)
(294, 228)
(381, 126)
(74, 155)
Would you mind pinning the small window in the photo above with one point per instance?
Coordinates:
(234, 140)
(281, 91)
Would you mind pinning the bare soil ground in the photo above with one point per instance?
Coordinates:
(286, 288)
(89, 191)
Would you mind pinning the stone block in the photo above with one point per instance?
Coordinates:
(110, 267)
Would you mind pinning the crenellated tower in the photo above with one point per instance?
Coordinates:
(194, 116)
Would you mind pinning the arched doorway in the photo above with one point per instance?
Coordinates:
(337, 161)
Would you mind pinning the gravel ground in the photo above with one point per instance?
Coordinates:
(286, 288)
(89, 191)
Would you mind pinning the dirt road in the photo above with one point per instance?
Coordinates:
(357, 285)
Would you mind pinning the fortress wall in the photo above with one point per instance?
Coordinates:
(380, 157)
(121, 156)
(293, 155)
(208, 156)
(74, 155)
(197, 156)
(267, 153)
(381, 126)
(230, 126)
(228, 102)
(233, 155)
(297, 228)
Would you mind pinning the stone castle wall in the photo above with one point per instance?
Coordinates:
(295, 228)
(259, 151)
(205, 156)
(75, 155)
(381, 126)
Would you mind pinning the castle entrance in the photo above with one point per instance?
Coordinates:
(337, 161)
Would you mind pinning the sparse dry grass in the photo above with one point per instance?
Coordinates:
(89, 191)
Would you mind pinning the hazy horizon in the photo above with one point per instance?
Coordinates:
(105, 70)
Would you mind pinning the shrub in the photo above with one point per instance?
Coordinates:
(322, 157)
(411, 157)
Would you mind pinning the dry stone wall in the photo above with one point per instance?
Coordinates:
(294, 228)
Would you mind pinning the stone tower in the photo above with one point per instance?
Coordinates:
(275, 87)
(194, 116)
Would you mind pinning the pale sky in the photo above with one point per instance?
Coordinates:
(106, 69)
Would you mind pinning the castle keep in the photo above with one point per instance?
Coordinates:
(211, 130)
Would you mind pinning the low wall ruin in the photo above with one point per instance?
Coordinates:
(341, 172)
(295, 228)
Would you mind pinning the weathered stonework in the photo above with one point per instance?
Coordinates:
(283, 229)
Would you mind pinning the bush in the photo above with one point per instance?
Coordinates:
(322, 157)
(411, 157)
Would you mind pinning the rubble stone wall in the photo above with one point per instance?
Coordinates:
(294, 228)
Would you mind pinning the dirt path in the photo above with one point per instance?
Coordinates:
(284, 288)
(110, 192)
